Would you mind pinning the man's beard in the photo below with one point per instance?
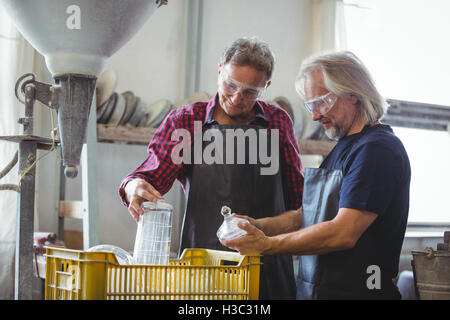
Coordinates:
(335, 132)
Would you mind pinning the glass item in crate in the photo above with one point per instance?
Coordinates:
(229, 228)
(123, 257)
(153, 236)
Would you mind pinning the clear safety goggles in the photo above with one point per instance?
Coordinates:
(230, 87)
(321, 105)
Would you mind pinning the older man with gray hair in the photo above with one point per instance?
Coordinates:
(350, 228)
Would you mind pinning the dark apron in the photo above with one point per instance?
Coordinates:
(246, 192)
(330, 275)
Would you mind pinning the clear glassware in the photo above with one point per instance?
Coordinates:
(229, 229)
(153, 235)
(123, 257)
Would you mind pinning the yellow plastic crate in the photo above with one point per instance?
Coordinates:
(199, 274)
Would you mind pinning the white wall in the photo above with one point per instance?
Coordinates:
(284, 25)
(152, 65)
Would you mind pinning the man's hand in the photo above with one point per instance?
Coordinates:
(137, 191)
(254, 242)
(249, 219)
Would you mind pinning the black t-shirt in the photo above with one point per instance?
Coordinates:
(376, 178)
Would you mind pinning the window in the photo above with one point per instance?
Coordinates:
(403, 43)
(7, 48)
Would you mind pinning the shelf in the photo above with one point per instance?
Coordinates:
(42, 142)
(125, 134)
(142, 136)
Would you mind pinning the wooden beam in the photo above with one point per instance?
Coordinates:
(42, 142)
(71, 209)
(132, 135)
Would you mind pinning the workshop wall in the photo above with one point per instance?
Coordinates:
(284, 25)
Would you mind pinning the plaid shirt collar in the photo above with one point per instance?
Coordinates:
(258, 107)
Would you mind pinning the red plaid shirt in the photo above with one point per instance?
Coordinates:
(159, 170)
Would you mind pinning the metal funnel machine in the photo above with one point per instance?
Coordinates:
(76, 37)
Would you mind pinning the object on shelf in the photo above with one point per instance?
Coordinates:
(106, 84)
(105, 110)
(157, 111)
(139, 113)
(181, 103)
(198, 96)
(118, 110)
(127, 109)
(284, 104)
(130, 107)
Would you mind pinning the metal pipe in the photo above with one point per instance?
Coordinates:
(10, 165)
(194, 25)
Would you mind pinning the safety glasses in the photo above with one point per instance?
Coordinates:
(321, 105)
(230, 87)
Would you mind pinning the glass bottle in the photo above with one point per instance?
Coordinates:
(229, 228)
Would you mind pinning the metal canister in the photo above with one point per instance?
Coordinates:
(432, 271)
(153, 236)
